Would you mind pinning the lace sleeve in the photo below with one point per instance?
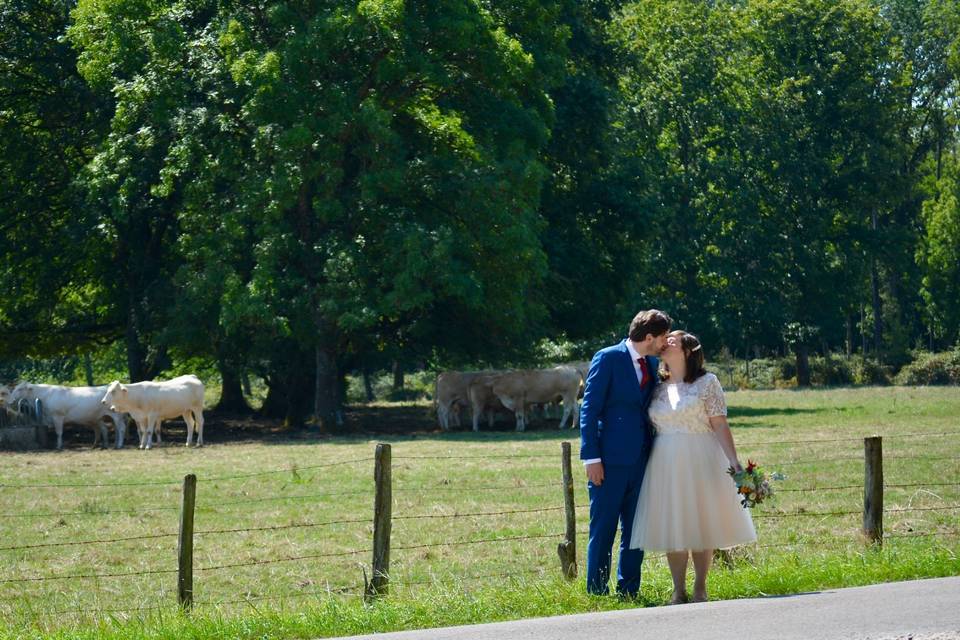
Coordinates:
(712, 395)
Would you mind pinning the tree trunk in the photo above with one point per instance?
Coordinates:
(368, 385)
(849, 341)
(136, 365)
(245, 380)
(88, 369)
(803, 365)
(290, 390)
(231, 392)
(877, 308)
(326, 394)
(863, 334)
(397, 376)
(274, 404)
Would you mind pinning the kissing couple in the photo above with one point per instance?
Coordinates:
(656, 452)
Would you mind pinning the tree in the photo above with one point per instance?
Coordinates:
(49, 122)
(938, 256)
(927, 32)
(389, 176)
(827, 94)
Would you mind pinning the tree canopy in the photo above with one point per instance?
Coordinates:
(302, 188)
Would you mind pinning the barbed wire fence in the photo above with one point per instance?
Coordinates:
(378, 583)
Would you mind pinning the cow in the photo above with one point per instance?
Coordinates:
(452, 394)
(583, 368)
(8, 414)
(519, 389)
(483, 399)
(74, 405)
(149, 403)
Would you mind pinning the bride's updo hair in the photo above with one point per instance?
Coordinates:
(693, 354)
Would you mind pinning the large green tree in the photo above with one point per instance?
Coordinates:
(827, 95)
(50, 121)
(389, 176)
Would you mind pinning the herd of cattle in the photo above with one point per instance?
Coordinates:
(147, 403)
(487, 392)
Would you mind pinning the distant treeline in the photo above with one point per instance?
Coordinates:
(300, 189)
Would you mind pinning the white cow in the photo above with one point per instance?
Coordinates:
(518, 390)
(483, 399)
(149, 403)
(74, 405)
(452, 394)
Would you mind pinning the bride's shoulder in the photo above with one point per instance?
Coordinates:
(708, 380)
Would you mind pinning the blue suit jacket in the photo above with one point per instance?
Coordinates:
(613, 415)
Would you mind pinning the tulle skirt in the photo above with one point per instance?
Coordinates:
(687, 500)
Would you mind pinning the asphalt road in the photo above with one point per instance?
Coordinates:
(917, 610)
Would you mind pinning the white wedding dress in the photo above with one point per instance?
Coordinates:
(687, 500)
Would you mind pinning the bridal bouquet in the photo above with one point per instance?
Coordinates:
(752, 484)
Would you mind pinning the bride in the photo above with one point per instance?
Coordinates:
(688, 504)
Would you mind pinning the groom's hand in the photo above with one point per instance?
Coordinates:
(595, 473)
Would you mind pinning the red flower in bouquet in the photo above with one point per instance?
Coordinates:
(752, 485)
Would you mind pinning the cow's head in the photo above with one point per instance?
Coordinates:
(115, 391)
(4, 395)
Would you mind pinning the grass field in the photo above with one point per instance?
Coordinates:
(313, 501)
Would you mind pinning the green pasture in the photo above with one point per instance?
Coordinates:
(307, 577)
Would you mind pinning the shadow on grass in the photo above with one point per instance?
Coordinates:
(754, 412)
(361, 424)
(364, 423)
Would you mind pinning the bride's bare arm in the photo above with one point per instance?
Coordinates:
(721, 427)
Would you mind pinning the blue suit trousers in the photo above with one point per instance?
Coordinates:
(614, 502)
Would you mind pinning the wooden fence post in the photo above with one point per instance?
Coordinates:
(567, 549)
(382, 523)
(185, 543)
(873, 489)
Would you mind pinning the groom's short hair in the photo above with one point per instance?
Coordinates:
(650, 321)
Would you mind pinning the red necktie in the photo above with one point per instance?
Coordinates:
(643, 369)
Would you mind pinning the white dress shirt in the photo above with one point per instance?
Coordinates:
(634, 356)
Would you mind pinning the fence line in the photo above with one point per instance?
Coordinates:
(860, 486)
(474, 515)
(280, 527)
(458, 543)
(177, 482)
(952, 507)
(854, 438)
(87, 576)
(571, 507)
(70, 543)
(807, 514)
(302, 496)
(500, 487)
(54, 514)
(254, 563)
(340, 591)
(291, 469)
(482, 457)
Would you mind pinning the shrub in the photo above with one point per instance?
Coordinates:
(763, 373)
(830, 371)
(869, 372)
(932, 368)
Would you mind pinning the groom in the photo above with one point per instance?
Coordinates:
(615, 442)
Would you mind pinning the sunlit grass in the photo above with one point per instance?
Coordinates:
(448, 584)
